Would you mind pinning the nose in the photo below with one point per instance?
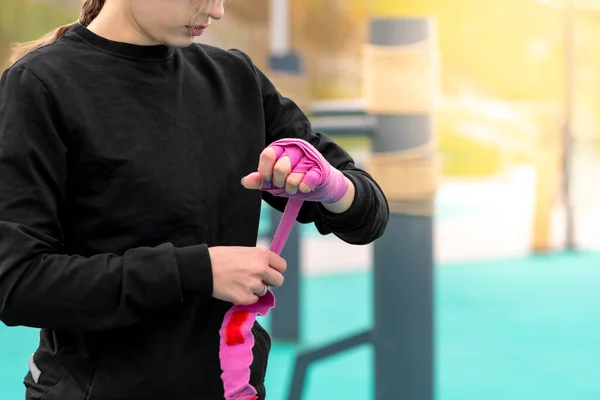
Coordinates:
(217, 11)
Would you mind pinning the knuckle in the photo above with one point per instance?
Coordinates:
(291, 183)
(304, 188)
(265, 175)
(282, 168)
(262, 253)
(268, 155)
(255, 285)
(263, 269)
(259, 268)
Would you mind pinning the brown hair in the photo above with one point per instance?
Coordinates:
(89, 11)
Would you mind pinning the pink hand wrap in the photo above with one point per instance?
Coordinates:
(236, 339)
(327, 183)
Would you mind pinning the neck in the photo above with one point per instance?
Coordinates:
(116, 24)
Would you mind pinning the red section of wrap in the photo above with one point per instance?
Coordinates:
(233, 331)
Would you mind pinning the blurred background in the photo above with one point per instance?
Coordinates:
(516, 226)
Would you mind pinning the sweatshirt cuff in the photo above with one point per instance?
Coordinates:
(195, 269)
(358, 214)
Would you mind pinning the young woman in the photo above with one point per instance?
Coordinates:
(125, 234)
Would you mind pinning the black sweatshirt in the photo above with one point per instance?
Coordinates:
(119, 166)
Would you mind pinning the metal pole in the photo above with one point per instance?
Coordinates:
(280, 32)
(305, 358)
(403, 257)
(285, 318)
(403, 260)
(569, 27)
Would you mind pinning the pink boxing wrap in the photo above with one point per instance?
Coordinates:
(327, 183)
(236, 339)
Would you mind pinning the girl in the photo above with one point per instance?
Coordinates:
(125, 234)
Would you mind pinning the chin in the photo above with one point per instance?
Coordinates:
(181, 42)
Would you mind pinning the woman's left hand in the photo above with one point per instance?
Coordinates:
(294, 168)
(276, 171)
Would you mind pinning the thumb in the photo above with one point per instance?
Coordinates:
(252, 181)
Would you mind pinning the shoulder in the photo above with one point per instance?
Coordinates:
(19, 79)
(235, 55)
(47, 62)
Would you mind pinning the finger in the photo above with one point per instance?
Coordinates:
(304, 188)
(271, 278)
(258, 285)
(253, 181)
(266, 163)
(281, 170)
(293, 180)
(310, 181)
(264, 288)
(277, 262)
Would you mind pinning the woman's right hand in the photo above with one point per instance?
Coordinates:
(241, 273)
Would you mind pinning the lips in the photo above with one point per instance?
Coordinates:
(196, 30)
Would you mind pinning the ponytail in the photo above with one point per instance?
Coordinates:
(89, 12)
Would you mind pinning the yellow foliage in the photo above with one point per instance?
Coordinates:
(24, 20)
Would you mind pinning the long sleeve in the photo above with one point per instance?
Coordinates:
(367, 218)
(42, 286)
